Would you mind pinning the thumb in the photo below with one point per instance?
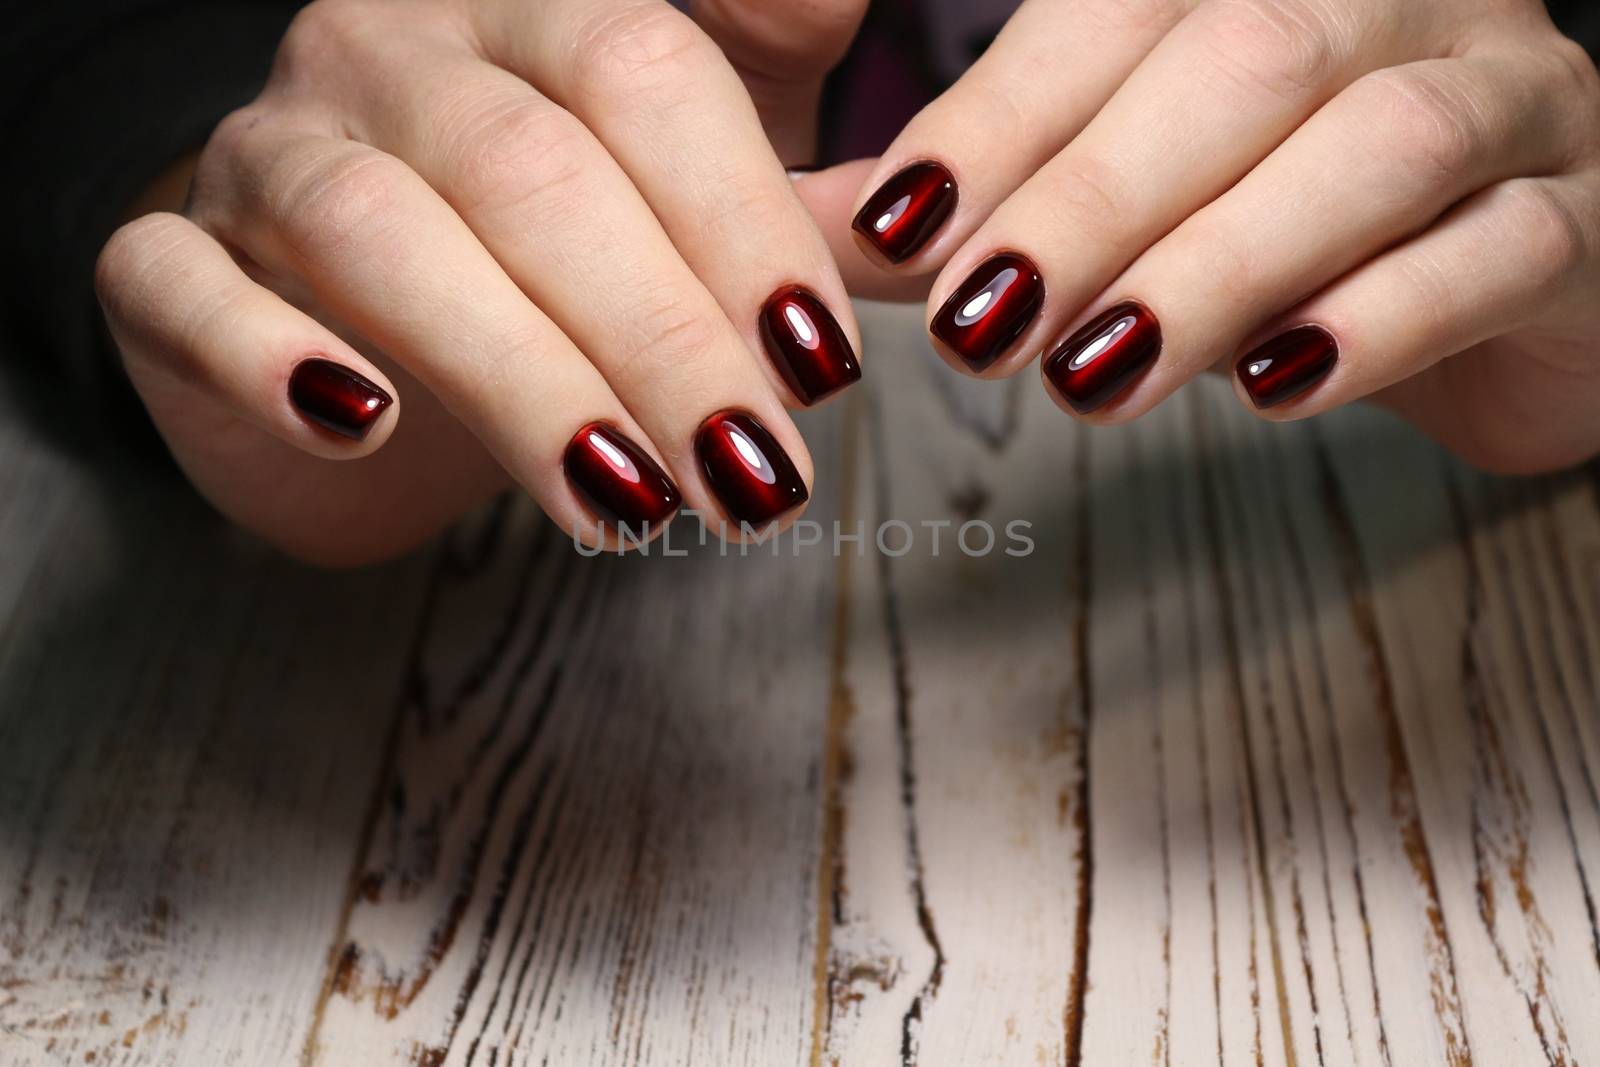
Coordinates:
(783, 49)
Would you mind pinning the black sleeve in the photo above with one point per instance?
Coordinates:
(97, 97)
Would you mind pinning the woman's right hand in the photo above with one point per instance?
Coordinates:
(556, 228)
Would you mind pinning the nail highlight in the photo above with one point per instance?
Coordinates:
(1103, 358)
(751, 475)
(990, 310)
(336, 398)
(807, 345)
(618, 481)
(1288, 365)
(907, 210)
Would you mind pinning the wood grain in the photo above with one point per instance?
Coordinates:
(1280, 746)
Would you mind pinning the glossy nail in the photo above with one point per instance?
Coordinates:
(907, 210)
(337, 398)
(1104, 357)
(1288, 365)
(990, 310)
(746, 468)
(806, 344)
(618, 481)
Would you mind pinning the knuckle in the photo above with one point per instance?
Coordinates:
(231, 134)
(1000, 100)
(326, 39)
(133, 256)
(225, 153)
(671, 336)
(323, 30)
(1574, 67)
(1557, 241)
(1138, 14)
(512, 152)
(1218, 259)
(748, 204)
(1088, 191)
(1428, 126)
(343, 200)
(1429, 285)
(1575, 83)
(1281, 47)
(638, 49)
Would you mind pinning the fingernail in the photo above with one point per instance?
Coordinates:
(800, 170)
(618, 481)
(336, 398)
(1104, 357)
(1288, 365)
(749, 472)
(990, 310)
(806, 344)
(907, 210)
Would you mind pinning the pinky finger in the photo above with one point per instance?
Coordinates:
(185, 314)
(1497, 262)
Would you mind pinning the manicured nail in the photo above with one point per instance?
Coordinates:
(910, 207)
(1288, 365)
(618, 481)
(1104, 357)
(990, 310)
(806, 344)
(337, 398)
(747, 470)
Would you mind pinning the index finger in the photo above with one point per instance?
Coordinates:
(670, 109)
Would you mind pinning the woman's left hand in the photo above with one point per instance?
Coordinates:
(1336, 199)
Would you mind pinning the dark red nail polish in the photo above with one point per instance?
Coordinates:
(806, 344)
(618, 481)
(990, 310)
(336, 398)
(1288, 365)
(1104, 357)
(748, 471)
(907, 210)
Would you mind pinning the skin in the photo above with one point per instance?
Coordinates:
(1420, 179)
(428, 203)
(515, 217)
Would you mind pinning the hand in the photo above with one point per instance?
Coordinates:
(1334, 199)
(555, 228)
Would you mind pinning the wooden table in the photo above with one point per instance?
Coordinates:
(1281, 747)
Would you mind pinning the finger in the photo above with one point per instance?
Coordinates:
(1409, 142)
(661, 98)
(183, 313)
(829, 195)
(782, 53)
(380, 251)
(1510, 256)
(567, 225)
(1248, 73)
(1035, 87)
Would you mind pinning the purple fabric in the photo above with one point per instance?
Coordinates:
(908, 51)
